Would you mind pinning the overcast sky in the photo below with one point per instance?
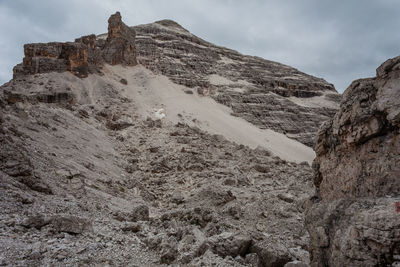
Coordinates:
(339, 41)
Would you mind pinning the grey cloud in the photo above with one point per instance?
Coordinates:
(337, 40)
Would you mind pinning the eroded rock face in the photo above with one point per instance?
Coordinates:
(120, 44)
(40, 58)
(357, 176)
(83, 56)
(358, 151)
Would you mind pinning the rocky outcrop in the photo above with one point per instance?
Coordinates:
(357, 171)
(83, 56)
(358, 151)
(120, 43)
(265, 93)
(40, 58)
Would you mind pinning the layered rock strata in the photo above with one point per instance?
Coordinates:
(357, 176)
(265, 93)
(83, 56)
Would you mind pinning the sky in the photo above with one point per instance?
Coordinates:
(339, 41)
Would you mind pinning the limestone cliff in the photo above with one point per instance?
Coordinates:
(357, 175)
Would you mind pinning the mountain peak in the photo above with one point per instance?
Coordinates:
(254, 88)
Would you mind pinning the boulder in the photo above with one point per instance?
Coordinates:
(35, 221)
(349, 232)
(358, 150)
(139, 213)
(70, 224)
(227, 244)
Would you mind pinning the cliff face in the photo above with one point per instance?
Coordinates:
(357, 175)
(83, 56)
(265, 93)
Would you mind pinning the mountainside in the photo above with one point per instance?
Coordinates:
(268, 94)
(148, 146)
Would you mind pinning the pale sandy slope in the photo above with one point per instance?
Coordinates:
(151, 92)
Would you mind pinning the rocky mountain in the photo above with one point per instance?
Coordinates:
(148, 146)
(268, 94)
(355, 220)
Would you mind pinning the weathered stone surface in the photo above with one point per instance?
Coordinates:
(358, 150)
(271, 254)
(94, 57)
(70, 224)
(36, 221)
(296, 264)
(355, 218)
(40, 58)
(61, 97)
(228, 244)
(258, 90)
(347, 232)
(119, 47)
